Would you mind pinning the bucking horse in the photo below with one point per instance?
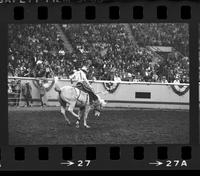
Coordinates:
(70, 97)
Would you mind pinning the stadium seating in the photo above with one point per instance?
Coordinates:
(107, 49)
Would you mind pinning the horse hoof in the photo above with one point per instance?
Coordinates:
(77, 126)
(68, 123)
(86, 126)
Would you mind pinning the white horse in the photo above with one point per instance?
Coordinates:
(70, 97)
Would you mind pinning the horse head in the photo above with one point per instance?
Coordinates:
(98, 105)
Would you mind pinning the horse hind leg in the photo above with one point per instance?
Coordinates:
(85, 118)
(64, 114)
(71, 110)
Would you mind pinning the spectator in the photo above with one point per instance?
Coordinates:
(10, 93)
(138, 77)
(40, 70)
(26, 92)
(177, 79)
(129, 76)
(184, 79)
(187, 80)
(155, 77)
(42, 89)
(38, 49)
(117, 78)
(164, 80)
(17, 92)
(48, 70)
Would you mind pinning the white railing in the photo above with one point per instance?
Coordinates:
(104, 81)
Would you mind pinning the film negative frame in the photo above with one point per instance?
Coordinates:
(103, 157)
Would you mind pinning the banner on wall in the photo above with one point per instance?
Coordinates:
(45, 83)
(180, 89)
(110, 86)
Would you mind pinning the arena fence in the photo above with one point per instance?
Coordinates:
(117, 94)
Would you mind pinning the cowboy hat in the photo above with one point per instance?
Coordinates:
(129, 74)
(39, 62)
(84, 68)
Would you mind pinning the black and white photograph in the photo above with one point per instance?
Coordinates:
(199, 79)
(98, 83)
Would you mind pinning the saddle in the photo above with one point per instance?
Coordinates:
(82, 87)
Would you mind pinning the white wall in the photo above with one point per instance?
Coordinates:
(162, 96)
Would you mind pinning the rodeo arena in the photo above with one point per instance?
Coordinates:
(117, 83)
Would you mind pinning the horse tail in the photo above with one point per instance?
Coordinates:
(57, 89)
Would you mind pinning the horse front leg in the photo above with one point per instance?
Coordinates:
(79, 118)
(63, 112)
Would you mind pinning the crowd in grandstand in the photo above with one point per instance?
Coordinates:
(38, 50)
(163, 34)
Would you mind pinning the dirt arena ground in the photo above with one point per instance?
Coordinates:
(40, 126)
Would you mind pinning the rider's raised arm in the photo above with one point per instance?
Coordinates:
(73, 77)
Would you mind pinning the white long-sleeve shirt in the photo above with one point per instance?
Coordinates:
(79, 76)
(176, 81)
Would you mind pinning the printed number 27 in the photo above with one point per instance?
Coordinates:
(81, 162)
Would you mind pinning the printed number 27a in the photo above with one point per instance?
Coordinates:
(176, 163)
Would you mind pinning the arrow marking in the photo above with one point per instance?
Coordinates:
(157, 163)
(68, 163)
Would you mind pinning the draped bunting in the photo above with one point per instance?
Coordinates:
(36, 83)
(110, 87)
(180, 89)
